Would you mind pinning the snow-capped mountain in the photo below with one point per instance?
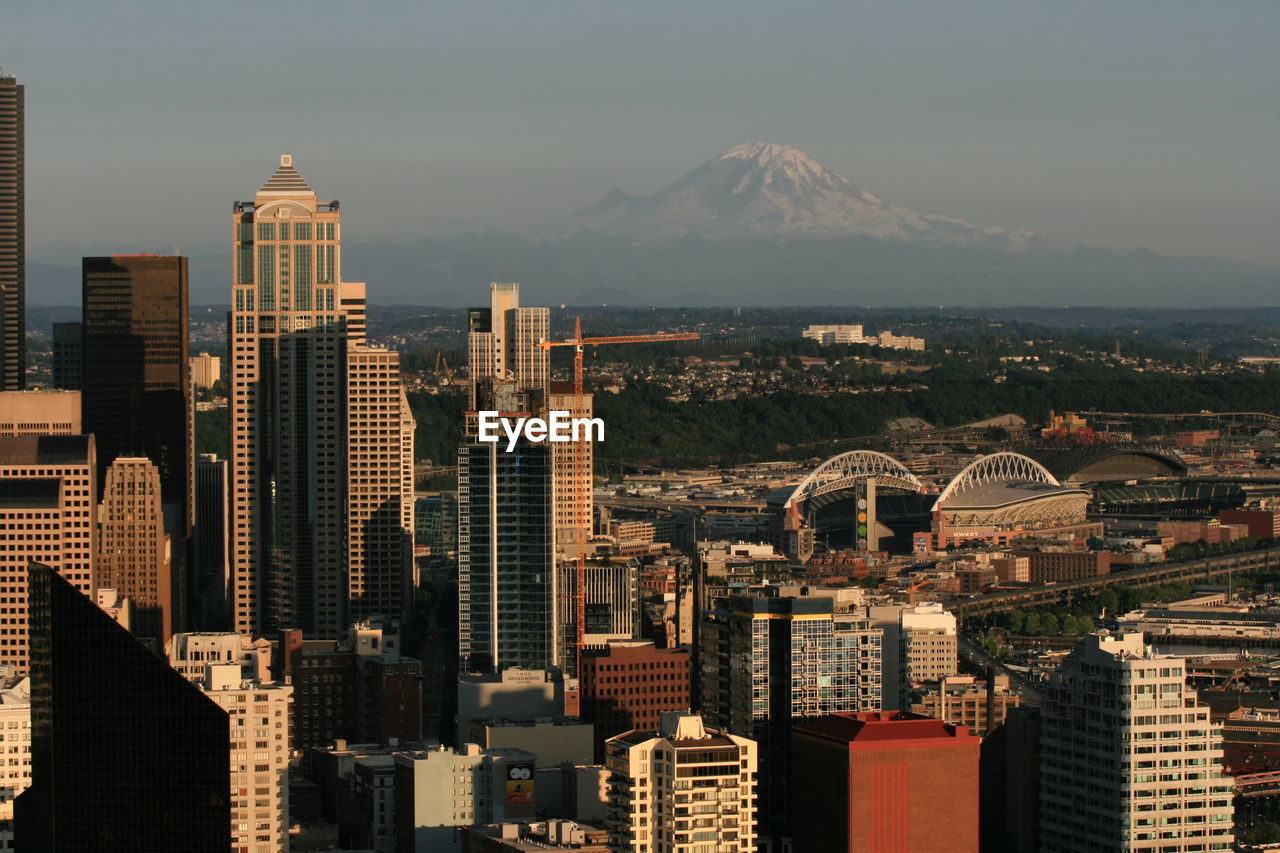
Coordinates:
(764, 190)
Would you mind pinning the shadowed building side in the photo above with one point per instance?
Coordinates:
(126, 754)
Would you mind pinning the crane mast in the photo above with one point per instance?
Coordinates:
(578, 342)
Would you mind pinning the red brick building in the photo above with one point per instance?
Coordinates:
(1048, 566)
(1262, 523)
(359, 688)
(891, 782)
(627, 685)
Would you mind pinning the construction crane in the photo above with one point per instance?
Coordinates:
(578, 342)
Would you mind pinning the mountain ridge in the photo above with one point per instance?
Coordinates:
(761, 189)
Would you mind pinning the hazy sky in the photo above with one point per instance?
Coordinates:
(1134, 124)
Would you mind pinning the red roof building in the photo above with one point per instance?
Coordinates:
(884, 782)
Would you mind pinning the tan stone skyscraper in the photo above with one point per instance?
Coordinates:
(303, 427)
(133, 551)
(13, 297)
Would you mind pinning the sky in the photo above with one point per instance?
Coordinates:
(1145, 124)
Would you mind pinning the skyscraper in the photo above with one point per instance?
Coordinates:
(769, 663)
(506, 597)
(126, 755)
(134, 556)
(1129, 759)
(502, 344)
(682, 789)
(136, 371)
(48, 513)
(13, 245)
(318, 468)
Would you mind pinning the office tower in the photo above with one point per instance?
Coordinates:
(1129, 759)
(298, 554)
(15, 746)
(629, 685)
(211, 568)
(439, 790)
(136, 397)
(513, 694)
(379, 487)
(259, 756)
(133, 550)
(40, 413)
(126, 755)
(885, 781)
(13, 241)
(205, 369)
(1009, 779)
(681, 789)
(769, 663)
(68, 356)
(502, 344)
(506, 601)
(48, 513)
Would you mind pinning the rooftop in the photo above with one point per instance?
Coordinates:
(884, 726)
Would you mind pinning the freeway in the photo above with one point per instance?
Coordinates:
(1063, 591)
(980, 660)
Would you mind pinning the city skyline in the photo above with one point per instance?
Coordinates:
(1144, 127)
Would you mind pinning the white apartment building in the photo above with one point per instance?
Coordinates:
(682, 789)
(15, 753)
(1129, 760)
(259, 757)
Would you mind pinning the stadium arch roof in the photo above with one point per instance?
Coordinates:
(841, 472)
(1109, 463)
(1002, 480)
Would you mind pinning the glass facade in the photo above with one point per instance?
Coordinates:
(126, 754)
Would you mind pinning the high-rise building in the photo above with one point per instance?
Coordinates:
(40, 413)
(48, 513)
(127, 756)
(133, 550)
(137, 396)
(506, 598)
(612, 600)
(205, 369)
(920, 645)
(68, 356)
(572, 460)
(379, 487)
(502, 344)
(768, 663)
(885, 781)
(304, 545)
(1129, 759)
(259, 756)
(681, 789)
(15, 746)
(13, 241)
(211, 566)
